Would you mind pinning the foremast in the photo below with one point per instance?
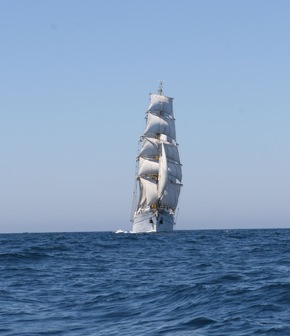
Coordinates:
(159, 170)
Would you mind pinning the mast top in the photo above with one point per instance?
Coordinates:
(160, 89)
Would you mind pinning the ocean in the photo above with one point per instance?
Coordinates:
(209, 282)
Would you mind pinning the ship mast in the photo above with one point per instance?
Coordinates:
(158, 203)
(160, 89)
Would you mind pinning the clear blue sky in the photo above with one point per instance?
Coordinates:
(74, 84)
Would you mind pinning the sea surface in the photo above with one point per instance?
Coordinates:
(212, 282)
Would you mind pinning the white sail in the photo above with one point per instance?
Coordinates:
(172, 152)
(171, 195)
(159, 125)
(160, 103)
(148, 193)
(163, 173)
(148, 167)
(150, 148)
(174, 170)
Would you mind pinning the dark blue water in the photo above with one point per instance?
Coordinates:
(234, 282)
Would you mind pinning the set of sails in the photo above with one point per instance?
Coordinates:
(159, 172)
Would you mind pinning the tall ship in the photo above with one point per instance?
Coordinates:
(158, 169)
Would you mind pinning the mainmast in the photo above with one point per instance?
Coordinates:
(160, 89)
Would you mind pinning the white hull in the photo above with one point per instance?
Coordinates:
(148, 222)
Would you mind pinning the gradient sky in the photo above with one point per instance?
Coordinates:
(74, 84)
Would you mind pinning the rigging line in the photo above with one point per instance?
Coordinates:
(177, 212)
(134, 198)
